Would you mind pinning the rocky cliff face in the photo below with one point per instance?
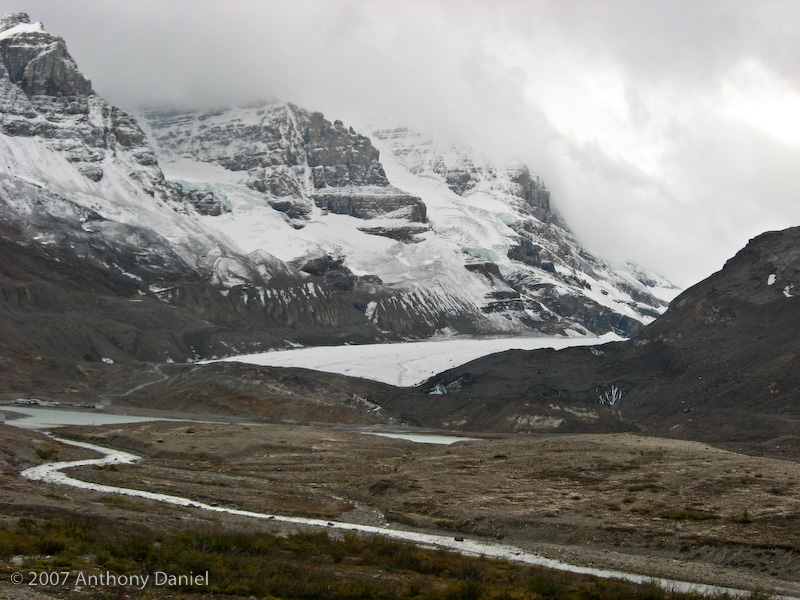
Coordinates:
(296, 158)
(38, 62)
(371, 203)
(44, 96)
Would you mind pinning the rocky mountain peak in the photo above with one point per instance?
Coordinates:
(9, 20)
(297, 158)
(530, 188)
(339, 156)
(44, 95)
(36, 61)
(465, 173)
(85, 164)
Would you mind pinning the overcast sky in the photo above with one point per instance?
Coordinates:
(668, 132)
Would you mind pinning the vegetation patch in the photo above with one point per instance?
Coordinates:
(743, 519)
(47, 453)
(299, 566)
(688, 514)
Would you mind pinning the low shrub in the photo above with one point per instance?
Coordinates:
(304, 565)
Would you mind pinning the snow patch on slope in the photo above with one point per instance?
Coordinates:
(22, 28)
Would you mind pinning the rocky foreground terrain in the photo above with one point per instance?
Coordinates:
(666, 508)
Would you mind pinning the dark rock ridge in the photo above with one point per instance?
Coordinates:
(721, 366)
(205, 202)
(335, 274)
(407, 235)
(295, 157)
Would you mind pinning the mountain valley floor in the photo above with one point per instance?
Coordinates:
(661, 507)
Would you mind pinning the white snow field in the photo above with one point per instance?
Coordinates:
(409, 363)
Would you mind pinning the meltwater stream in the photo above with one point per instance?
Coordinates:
(52, 473)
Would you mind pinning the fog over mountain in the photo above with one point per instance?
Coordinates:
(668, 134)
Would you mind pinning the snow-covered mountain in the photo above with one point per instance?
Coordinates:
(272, 224)
(80, 187)
(471, 245)
(501, 214)
(78, 171)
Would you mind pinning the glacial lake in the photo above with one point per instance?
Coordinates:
(36, 417)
